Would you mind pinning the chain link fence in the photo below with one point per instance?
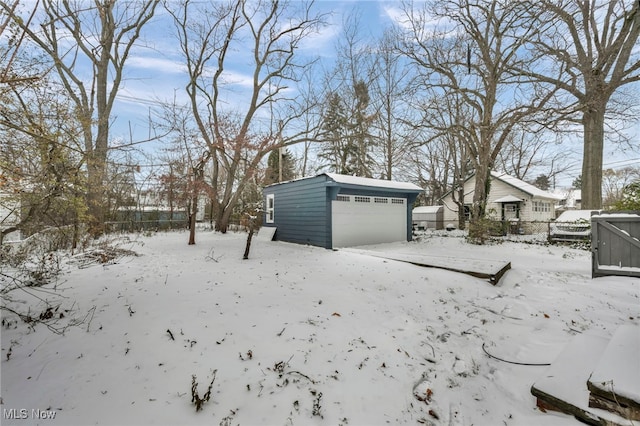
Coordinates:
(541, 231)
(144, 225)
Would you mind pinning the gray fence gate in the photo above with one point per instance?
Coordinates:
(615, 244)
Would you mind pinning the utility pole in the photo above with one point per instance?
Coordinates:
(280, 151)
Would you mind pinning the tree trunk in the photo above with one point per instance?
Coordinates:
(192, 220)
(477, 231)
(95, 192)
(593, 121)
(248, 245)
(478, 209)
(223, 218)
(461, 216)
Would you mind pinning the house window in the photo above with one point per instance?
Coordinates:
(343, 198)
(539, 206)
(381, 200)
(359, 199)
(467, 212)
(270, 208)
(397, 201)
(511, 208)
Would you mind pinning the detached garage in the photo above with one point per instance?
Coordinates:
(332, 210)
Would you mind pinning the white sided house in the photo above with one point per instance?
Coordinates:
(510, 199)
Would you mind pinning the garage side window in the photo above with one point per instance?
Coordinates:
(270, 208)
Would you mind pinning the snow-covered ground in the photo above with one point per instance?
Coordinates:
(302, 335)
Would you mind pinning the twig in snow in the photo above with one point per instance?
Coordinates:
(513, 362)
(496, 312)
(92, 311)
(211, 256)
(170, 334)
(303, 375)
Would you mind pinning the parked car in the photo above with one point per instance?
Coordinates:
(572, 225)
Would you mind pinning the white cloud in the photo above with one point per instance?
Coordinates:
(159, 65)
(235, 78)
(321, 41)
(396, 15)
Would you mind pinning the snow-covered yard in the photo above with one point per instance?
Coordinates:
(302, 335)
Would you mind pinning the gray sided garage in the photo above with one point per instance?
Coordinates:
(332, 210)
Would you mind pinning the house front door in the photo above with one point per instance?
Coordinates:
(510, 211)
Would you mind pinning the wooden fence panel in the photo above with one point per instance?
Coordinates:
(615, 244)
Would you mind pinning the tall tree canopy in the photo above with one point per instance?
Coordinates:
(473, 50)
(589, 50)
(210, 36)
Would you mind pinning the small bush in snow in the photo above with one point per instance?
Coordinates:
(195, 397)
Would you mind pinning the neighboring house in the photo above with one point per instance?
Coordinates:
(332, 210)
(570, 199)
(509, 199)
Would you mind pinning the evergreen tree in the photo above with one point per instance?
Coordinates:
(542, 182)
(630, 198)
(272, 174)
(347, 133)
(577, 182)
(336, 149)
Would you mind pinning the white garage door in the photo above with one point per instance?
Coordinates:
(358, 220)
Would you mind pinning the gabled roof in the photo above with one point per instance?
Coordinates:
(524, 186)
(377, 183)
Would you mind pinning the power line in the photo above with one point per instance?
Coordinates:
(621, 161)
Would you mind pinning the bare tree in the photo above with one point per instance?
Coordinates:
(614, 182)
(589, 51)
(445, 155)
(309, 123)
(72, 34)
(272, 32)
(474, 55)
(528, 151)
(391, 94)
(348, 116)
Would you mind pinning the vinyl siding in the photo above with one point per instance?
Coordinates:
(300, 211)
(500, 189)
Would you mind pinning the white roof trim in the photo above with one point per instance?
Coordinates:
(378, 183)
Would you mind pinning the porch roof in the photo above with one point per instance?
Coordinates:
(508, 199)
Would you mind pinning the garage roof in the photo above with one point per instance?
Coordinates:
(378, 183)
